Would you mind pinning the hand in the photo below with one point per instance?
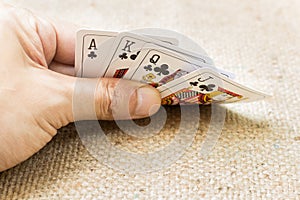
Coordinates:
(37, 92)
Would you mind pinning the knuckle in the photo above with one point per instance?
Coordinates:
(104, 95)
(116, 99)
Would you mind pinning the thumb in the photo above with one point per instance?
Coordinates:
(110, 98)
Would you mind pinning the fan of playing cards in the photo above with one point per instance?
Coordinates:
(182, 75)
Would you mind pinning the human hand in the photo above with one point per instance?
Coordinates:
(37, 87)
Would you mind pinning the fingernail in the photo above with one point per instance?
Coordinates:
(148, 101)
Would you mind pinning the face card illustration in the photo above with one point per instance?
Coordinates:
(159, 67)
(205, 86)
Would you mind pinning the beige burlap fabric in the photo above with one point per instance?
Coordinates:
(257, 154)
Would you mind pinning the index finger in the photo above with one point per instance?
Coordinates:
(58, 40)
(65, 42)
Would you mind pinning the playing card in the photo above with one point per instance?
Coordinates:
(204, 86)
(171, 41)
(152, 57)
(160, 66)
(89, 55)
(92, 48)
(127, 49)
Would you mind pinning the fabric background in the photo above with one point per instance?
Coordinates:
(257, 154)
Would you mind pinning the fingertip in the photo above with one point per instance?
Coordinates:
(148, 102)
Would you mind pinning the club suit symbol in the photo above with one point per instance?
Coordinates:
(208, 88)
(92, 55)
(123, 56)
(163, 69)
(148, 68)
